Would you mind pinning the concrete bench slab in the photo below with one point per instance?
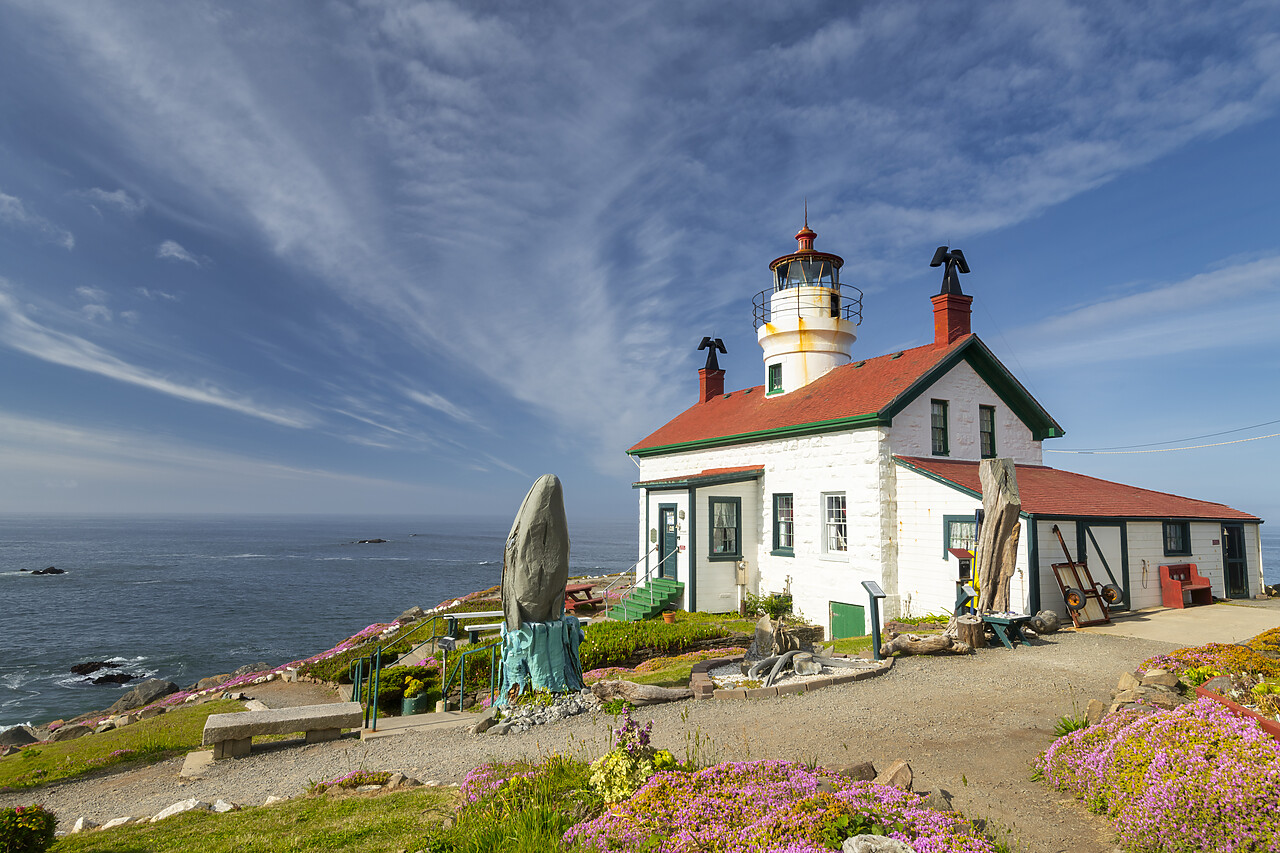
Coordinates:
(231, 735)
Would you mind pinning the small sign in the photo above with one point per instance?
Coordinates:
(682, 548)
(873, 589)
(1215, 542)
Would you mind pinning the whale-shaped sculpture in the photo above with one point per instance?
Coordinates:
(535, 567)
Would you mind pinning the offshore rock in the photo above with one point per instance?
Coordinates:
(144, 694)
(92, 666)
(535, 566)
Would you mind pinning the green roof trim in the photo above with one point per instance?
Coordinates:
(816, 428)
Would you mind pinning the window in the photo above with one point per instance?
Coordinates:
(958, 531)
(775, 378)
(726, 528)
(938, 423)
(784, 526)
(835, 524)
(987, 431)
(1177, 538)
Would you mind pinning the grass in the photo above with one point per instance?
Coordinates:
(851, 645)
(396, 821)
(180, 730)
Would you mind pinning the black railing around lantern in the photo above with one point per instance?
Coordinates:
(841, 300)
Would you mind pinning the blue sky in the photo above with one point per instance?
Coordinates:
(404, 257)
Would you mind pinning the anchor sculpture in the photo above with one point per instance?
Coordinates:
(539, 640)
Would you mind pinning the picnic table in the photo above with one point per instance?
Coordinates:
(1007, 628)
(579, 595)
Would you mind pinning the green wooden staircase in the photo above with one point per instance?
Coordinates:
(645, 602)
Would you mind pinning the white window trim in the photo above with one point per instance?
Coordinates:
(827, 554)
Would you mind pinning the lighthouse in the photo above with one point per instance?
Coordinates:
(806, 321)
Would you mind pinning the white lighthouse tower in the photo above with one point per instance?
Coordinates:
(806, 322)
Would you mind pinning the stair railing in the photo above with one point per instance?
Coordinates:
(460, 669)
(629, 573)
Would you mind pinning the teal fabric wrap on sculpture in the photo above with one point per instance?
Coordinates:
(542, 656)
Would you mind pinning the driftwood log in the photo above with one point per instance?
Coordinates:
(915, 644)
(638, 694)
(998, 538)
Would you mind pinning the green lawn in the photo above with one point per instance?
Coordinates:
(398, 821)
(175, 732)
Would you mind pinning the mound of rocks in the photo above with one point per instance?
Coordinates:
(144, 694)
(521, 718)
(1142, 691)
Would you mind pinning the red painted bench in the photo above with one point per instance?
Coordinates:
(1181, 584)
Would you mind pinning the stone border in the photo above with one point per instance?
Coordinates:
(704, 688)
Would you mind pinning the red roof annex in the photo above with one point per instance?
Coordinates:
(1049, 491)
(861, 388)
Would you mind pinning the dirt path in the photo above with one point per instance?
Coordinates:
(970, 725)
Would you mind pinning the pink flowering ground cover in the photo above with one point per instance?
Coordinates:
(768, 807)
(1194, 778)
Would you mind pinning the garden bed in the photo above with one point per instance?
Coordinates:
(1270, 726)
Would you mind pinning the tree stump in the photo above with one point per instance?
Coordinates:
(971, 631)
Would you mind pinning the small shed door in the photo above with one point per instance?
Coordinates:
(1102, 545)
(1234, 561)
(847, 620)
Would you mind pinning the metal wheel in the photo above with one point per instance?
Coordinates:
(1111, 594)
(1075, 599)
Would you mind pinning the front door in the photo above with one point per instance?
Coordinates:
(1234, 562)
(668, 541)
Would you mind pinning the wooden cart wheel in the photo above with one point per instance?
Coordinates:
(1075, 598)
(1111, 594)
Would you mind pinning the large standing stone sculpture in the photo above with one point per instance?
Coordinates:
(539, 641)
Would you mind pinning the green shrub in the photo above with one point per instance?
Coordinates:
(26, 829)
(520, 807)
(775, 605)
(393, 681)
(614, 643)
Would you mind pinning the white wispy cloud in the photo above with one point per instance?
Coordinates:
(1234, 306)
(153, 294)
(21, 332)
(432, 400)
(118, 199)
(15, 214)
(173, 250)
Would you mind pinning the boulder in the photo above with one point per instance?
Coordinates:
(371, 541)
(180, 807)
(862, 772)
(411, 614)
(1095, 712)
(1220, 684)
(1128, 681)
(144, 694)
(500, 728)
(104, 726)
(119, 821)
(939, 799)
(875, 844)
(271, 800)
(212, 681)
(71, 732)
(83, 824)
(148, 713)
(6, 751)
(92, 666)
(50, 571)
(260, 666)
(1160, 678)
(222, 806)
(898, 775)
(17, 736)
(1049, 622)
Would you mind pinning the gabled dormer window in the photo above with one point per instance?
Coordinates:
(938, 427)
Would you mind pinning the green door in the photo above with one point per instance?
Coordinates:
(848, 620)
(668, 541)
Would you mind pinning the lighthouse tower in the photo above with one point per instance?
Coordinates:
(806, 321)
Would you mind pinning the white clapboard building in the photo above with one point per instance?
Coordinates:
(840, 469)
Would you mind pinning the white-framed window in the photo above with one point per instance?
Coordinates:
(835, 523)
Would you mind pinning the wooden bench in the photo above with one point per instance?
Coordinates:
(1181, 584)
(231, 735)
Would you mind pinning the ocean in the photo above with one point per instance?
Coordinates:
(184, 597)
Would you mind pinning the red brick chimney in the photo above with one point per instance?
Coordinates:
(951, 313)
(710, 384)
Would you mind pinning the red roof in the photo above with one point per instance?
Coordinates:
(1048, 491)
(860, 388)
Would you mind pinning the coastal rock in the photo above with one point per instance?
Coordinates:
(6, 751)
(144, 694)
(273, 799)
(68, 733)
(222, 807)
(114, 678)
(104, 726)
(119, 821)
(180, 807)
(148, 713)
(52, 570)
(898, 775)
(212, 681)
(864, 771)
(92, 666)
(411, 614)
(371, 541)
(17, 736)
(260, 666)
(939, 799)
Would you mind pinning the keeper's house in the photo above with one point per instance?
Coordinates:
(838, 471)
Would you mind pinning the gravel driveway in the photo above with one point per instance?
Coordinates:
(970, 725)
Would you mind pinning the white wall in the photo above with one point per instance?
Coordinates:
(927, 579)
(964, 392)
(717, 588)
